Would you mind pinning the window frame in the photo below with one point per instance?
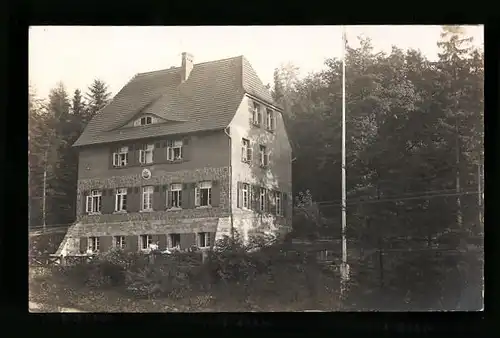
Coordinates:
(206, 240)
(262, 199)
(149, 241)
(246, 150)
(89, 202)
(120, 157)
(270, 120)
(171, 241)
(119, 242)
(198, 193)
(175, 190)
(148, 149)
(121, 203)
(93, 244)
(256, 114)
(172, 145)
(145, 191)
(263, 156)
(278, 196)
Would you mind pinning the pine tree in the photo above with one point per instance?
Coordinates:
(98, 97)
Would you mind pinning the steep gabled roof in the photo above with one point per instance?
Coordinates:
(207, 100)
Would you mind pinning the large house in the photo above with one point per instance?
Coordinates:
(181, 157)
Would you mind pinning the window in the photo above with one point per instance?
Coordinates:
(121, 199)
(277, 201)
(146, 241)
(270, 119)
(93, 244)
(119, 242)
(203, 239)
(176, 196)
(263, 156)
(120, 157)
(203, 194)
(174, 150)
(256, 114)
(262, 199)
(146, 120)
(147, 198)
(245, 196)
(175, 240)
(246, 151)
(94, 202)
(146, 154)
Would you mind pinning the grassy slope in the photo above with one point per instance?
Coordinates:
(46, 289)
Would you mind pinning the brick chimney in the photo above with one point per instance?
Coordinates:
(187, 66)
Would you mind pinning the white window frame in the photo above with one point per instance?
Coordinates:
(246, 150)
(172, 146)
(278, 201)
(263, 156)
(262, 199)
(121, 200)
(120, 157)
(171, 242)
(145, 239)
(205, 185)
(119, 242)
(147, 198)
(93, 244)
(256, 114)
(270, 119)
(94, 202)
(175, 191)
(146, 154)
(203, 237)
(245, 194)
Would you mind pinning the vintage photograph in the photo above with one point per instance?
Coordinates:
(256, 168)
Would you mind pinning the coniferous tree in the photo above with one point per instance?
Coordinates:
(98, 97)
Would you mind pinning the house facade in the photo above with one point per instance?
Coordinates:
(181, 157)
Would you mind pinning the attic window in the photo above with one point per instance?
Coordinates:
(146, 120)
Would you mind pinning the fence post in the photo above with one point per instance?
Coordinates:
(381, 261)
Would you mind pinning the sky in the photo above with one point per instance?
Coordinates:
(76, 55)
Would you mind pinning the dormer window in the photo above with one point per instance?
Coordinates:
(146, 120)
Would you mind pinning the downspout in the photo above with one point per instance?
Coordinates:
(230, 184)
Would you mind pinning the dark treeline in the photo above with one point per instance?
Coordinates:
(414, 127)
(54, 125)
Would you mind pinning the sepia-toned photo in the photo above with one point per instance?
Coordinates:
(256, 168)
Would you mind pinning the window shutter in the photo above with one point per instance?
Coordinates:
(185, 198)
(239, 197)
(215, 193)
(211, 239)
(159, 153)
(105, 243)
(269, 194)
(132, 243)
(158, 201)
(83, 244)
(162, 241)
(167, 196)
(284, 204)
(142, 156)
(243, 152)
(107, 201)
(186, 149)
(88, 203)
(250, 152)
(113, 159)
(196, 196)
(272, 201)
(133, 199)
(187, 240)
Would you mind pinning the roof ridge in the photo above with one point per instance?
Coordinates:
(196, 64)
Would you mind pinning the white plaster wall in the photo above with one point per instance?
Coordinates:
(279, 176)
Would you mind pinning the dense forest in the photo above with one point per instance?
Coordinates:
(414, 145)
